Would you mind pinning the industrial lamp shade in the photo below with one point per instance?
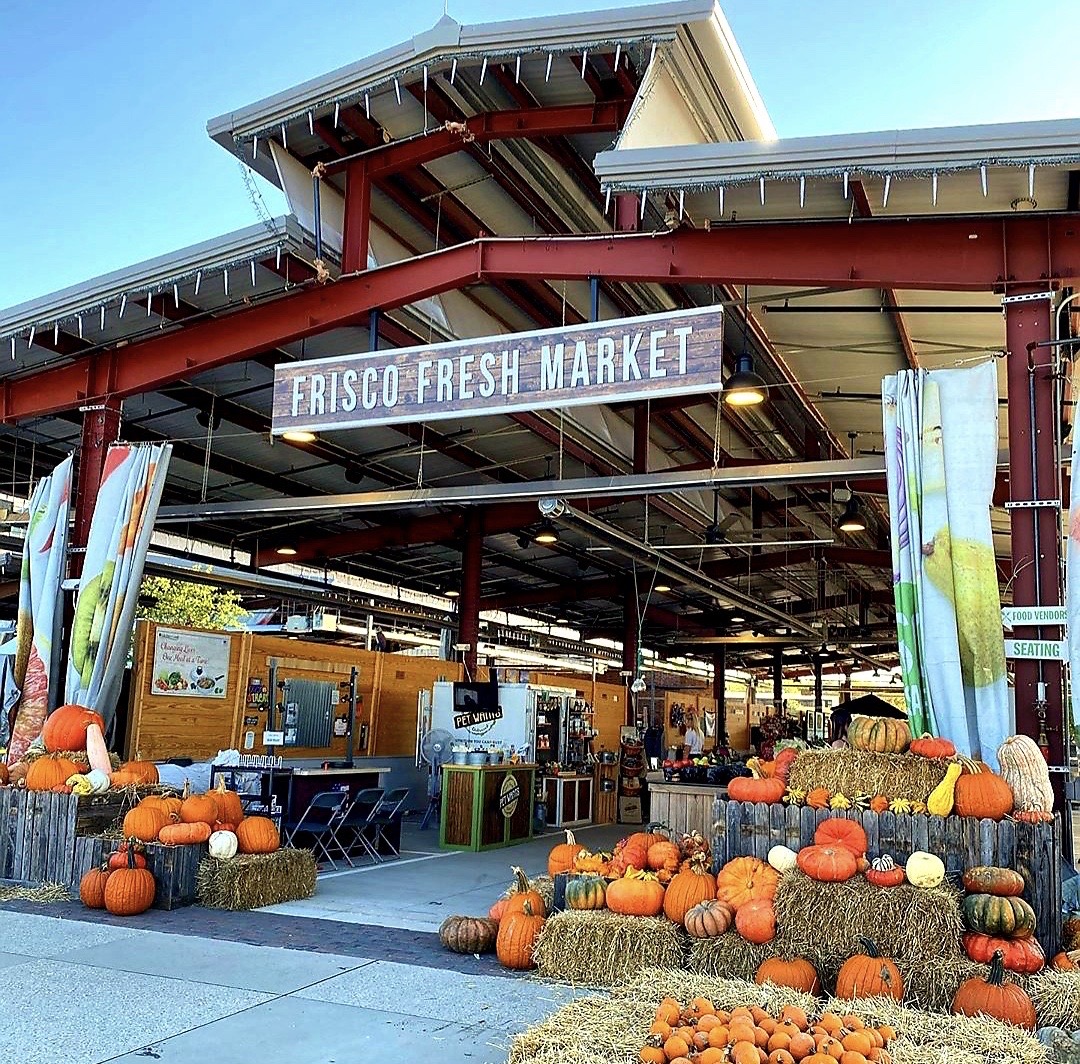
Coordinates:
(744, 387)
(546, 535)
(851, 520)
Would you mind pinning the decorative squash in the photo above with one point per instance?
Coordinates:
(4, 777)
(925, 869)
(880, 735)
(223, 845)
(688, 889)
(498, 910)
(144, 822)
(199, 809)
(636, 894)
(1023, 955)
(130, 890)
(755, 787)
(694, 843)
(517, 935)
(229, 808)
(943, 796)
(146, 771)
(994, 997)
(1024, 769)
(818, 798)
(982, 793)
(664, 857)
(597, 863)
(184, 834)
(782, 858)
(709, 919)
(756, 921)
(521, 892)
(468, 934)
(585, 891)
(879, 804)
(1008, 917)
(633, 851)
(868, 974)
(828, 864)
(795, 972)
(1066, 961)
(782, 763)
(48, 772)
(92, 887)
(928, 745)
(65, 727)
(97, 753)
(98, 780)
(838, 832)
(120, 778)
(885, 872)
(257, 834)
(745, 879)
(562, 856)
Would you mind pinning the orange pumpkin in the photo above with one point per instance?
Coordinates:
(184, 834)
(664, 857)
(868, 974)
(757, 787)
(745, 879)
(521, 892)
(982, 793)
(633, 852)
(783, 762)
(827, 864)
(838, 831)
(993, 996)
(928, 745)
(230, 810)
(145, 770)
(48, 772)
(122, 778)
(199, 809)
(687, 889)
(92, 888)
(517, 936)
(796, 972)
(562, 857)
(756, 921)
(636, 895)
(1066, 961)
(257, 834)
(65, 727)
(144, 823)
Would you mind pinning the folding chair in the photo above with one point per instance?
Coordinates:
(321, 821)
(357, 820)
(388, 814)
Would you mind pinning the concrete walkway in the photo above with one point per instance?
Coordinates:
(369, 976)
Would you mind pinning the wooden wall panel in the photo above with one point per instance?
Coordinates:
(401, 681)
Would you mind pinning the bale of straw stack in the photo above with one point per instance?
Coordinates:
(600, 948)
(827, 921)
(852, 772)
(611, 1030)
(250, 881)
(729, 955)
(1057, 998)
(932, 984)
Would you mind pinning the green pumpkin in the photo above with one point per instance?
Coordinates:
(585, 892)
(993, 915)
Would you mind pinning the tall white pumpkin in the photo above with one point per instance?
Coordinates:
(1024, 768)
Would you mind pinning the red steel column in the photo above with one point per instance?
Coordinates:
(469, 602)
(354, 255)
(627, 212)
(100, 427)
(1037, 574)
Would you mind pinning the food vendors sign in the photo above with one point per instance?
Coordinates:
(631, 358)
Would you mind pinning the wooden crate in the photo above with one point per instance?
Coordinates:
(748, 829)
(174, 867)
(683, 807)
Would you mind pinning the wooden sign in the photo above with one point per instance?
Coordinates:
(599, 362)
(1037, 649)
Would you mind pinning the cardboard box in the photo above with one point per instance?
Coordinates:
(630, 811)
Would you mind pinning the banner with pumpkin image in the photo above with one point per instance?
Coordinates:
(37, 646)
(120, 529)
(941, 445)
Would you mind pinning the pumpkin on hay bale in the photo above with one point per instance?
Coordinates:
(932, 984)
(250, 881)
(728, 955)
(854, 772)
(599, 948)
(827, 921)
(611, 1029)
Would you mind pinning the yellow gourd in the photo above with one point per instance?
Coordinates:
(942, 797)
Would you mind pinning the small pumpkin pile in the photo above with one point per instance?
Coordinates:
(999, 921)
(124, 887)
(706, 1034)
(518, 918)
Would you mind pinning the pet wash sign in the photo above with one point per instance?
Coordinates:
(190, 664)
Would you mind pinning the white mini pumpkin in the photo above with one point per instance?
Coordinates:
(99, 781)
(925, 869)
(222, 845)
(782, 858)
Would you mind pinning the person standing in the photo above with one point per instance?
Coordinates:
(693, 739)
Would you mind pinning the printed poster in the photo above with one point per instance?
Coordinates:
(190, 664)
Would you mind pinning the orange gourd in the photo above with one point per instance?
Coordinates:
(65, 727)
(199, 809)
(184, 834)
(229, 808)
(144, 822)
(818, 798)
(640, 895)
(633, 851)
(868, 974)
(993, 996)
(756, 787)
(146, 771)
(521, 892)
(257, 834)
(130, 890)
(562, 856)
(839, 831)
(745, 879)
(48, 772)
(982, 793)
(688, 888)
(827, 864)
(92, 888)
(796, 972)
(756, 921)
(517, 936)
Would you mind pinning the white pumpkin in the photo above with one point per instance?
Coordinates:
(1024, 768)
(99, 781)
(222, 845)
(925, 869)
(782, 858)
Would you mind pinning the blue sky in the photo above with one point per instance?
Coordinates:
(105, 159)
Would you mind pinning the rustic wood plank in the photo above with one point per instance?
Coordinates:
(759, 840)
(920, 832)
(1005, 850)
(735, 841)
(987, 841)
(870, 825)
(955, 855)
(935, 841)
(8, 816)
(777, 825)
(792, 826)
(719, 832)
(807, 827)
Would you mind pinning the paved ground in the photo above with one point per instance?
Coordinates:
(355, 970)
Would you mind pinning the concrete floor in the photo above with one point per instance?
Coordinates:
(90, 993)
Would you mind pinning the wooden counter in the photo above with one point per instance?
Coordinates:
(486, 806)
(684, 807)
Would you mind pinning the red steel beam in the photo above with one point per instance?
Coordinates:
(943, 254)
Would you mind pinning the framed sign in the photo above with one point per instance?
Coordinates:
(626, 359)
(190, 664)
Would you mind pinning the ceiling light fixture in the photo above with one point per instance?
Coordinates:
(204, 418)
(452, 592)
(547, 535)
(851, 520)
(353, 473)
(744, 387)
(299, 436)
(286, 552)
(662, 589)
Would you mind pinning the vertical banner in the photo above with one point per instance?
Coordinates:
(120, 530)
(941, 435)
(37, 657)
(1072, 584)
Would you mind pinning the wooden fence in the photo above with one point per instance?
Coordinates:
(175, 868)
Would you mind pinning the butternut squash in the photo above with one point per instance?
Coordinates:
(943, 796)
(97, 753)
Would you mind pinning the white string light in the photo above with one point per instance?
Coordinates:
(982, 179)
(252, 273)
(802, 191)
(198, 281)
(13, 348)
(397, 90)
(483, 70)
(311, 123)
(547, 73)
(644, 201)
(149, 303)
(1031, 181)
(618, 56)
(56, 333)
(78, 321)
(277, 258)
(517, 70)
(607, 201)
(682, 203)
(584, 62)
(284, 137)
(123, 304)
(225, 280)
(933, 188)
(761, 190)
(102, 317)
(885, 195)
(720, 192)
(652, 54)
(337, 113)
(367, 104)
(847, 182)
(30, 341)
(255, 147)
(176, 295)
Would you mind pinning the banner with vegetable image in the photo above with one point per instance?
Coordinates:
(1072, 585)
(941, 443)
(120, 530)
(37, 633)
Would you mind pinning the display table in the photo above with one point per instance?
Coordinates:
(485, 806)
(569, 800)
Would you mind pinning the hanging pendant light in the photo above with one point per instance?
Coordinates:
(744, 387)
(851, 520)
(547, 535)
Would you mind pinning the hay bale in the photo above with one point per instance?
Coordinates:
(599, 948)
(44, 894)
(250, 881)
(854, 772)
(1057, 998)
(729, 955)
(932, 985)
(826, 921)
